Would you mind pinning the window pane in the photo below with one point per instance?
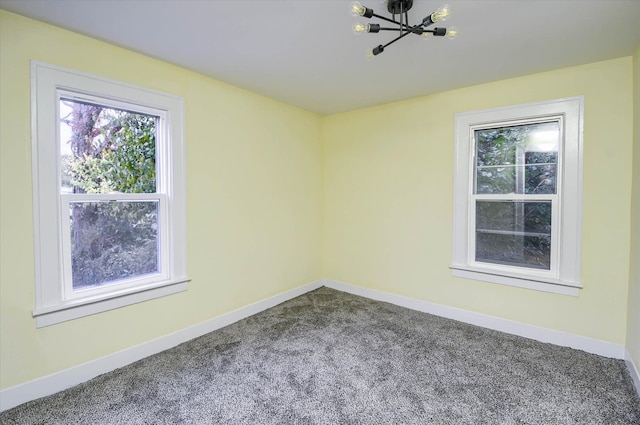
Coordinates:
(105, 150)
(540, 173)
(519, 159)
(111, 241)
(516, 233)
(496, 180)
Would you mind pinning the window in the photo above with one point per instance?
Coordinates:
(109, 194)
(517, 201)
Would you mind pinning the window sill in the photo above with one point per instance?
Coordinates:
(543, 285)
(87, 306)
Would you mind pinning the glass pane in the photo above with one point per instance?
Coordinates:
(111, 241)
(519, 159)
(496, 180)
(105, 150)
(540, 173)
(516, 233)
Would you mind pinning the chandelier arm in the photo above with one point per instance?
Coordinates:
(384, 18)
(403, 21)
(401, 36)
(389, 29)
(406, 17)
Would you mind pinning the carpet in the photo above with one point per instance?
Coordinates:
(328, 357)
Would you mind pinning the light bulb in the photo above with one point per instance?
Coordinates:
(441, 14)
(357, 9)
(360, 28)
(452, 33)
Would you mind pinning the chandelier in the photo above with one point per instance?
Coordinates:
(401, 9)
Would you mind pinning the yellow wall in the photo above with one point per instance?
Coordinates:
(388, 200)
(262, 176)
(633, 322)
(254, 202)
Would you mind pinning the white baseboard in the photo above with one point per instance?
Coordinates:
(565, 339)
(633, 370)
(51, 384)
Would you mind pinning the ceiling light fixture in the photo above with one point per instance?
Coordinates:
(401, 8)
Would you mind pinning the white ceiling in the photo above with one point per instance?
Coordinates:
(303, 52)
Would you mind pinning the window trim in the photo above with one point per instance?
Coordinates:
(48, 84)
(567, 278)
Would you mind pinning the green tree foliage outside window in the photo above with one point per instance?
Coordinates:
(517, 160)
(502, 153)
(112, 151)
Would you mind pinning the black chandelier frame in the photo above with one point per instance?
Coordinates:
(400, 8)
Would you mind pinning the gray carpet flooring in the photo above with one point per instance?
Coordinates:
(328, 357)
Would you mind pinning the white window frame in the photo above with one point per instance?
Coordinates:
(55, 301)
(564, 274)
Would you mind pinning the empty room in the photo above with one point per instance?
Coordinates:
(319, 212)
